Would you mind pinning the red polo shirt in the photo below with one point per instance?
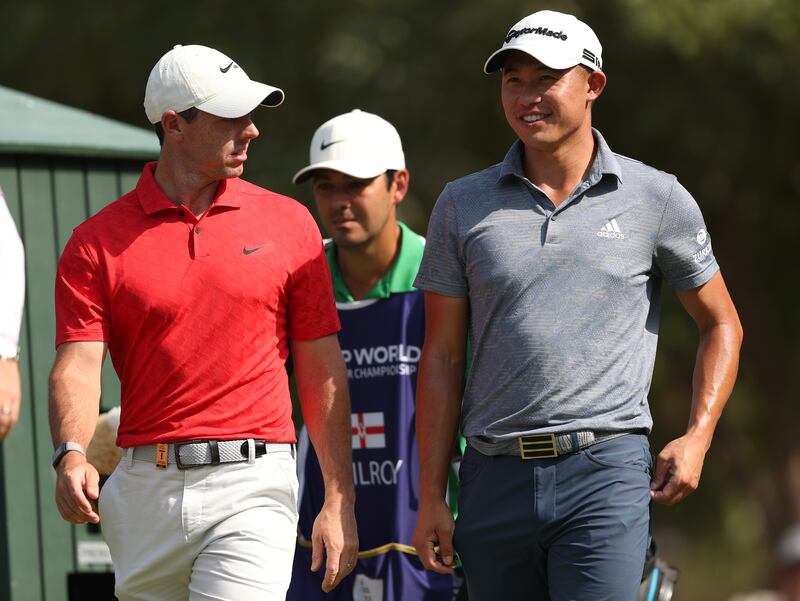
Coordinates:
(197, 313)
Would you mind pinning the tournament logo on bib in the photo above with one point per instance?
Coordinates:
(368, 430)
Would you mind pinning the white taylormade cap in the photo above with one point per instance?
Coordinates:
(555, 39)
(204, 78)
(358, 144)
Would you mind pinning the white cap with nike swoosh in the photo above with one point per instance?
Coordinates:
(204, 78)
(358, 144)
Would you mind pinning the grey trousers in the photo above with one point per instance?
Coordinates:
(572, 528)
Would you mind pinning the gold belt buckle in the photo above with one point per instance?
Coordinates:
(538, 446)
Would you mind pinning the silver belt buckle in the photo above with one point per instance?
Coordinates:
(185, 466)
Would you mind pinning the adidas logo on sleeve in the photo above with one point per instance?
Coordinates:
(611, 230)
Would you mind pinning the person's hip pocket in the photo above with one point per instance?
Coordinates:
(631, 451)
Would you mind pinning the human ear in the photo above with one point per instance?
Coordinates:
(596, 83)
(400, 184)
(171, 124)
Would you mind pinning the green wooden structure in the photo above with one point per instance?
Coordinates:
(58, 165)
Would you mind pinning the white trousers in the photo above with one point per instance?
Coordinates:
(224, 532)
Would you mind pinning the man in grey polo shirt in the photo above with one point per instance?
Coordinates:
(551, 262)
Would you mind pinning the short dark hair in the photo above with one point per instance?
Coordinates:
(390, 178)
(188, 115)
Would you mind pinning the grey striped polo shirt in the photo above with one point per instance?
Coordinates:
(564, 302)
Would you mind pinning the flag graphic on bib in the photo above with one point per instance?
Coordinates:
(368, 430)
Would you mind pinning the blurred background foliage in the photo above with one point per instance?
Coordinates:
(706, 90)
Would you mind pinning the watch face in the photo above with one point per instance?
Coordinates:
(64, 448)
(59, 453)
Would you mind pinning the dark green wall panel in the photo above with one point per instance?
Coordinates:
(129, 175)
(102, 184)
(48, 197)
(38, 230)
(20, 526)
(71, 204)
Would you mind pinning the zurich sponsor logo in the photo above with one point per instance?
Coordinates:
(702, 254)
(702, 236)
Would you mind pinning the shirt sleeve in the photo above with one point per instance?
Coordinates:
(12, 266)
(312, 309)
(443, 269)
(82, 311)
(683, 253)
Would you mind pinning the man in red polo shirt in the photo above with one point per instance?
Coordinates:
(199, 285)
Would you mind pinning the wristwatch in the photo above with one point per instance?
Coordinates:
(64, 448)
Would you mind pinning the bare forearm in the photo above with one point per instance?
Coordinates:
(717, 358)
(10, 396)
(439, 390)
(715, 372)
(680, 463)
(74, 404)
(329, 429)
(325, 402)
(324, 399)
(9, 382)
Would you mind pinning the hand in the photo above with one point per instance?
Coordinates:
(435, 527)
(678, 469)
(334, 540)
(10, 394)
(77, 487)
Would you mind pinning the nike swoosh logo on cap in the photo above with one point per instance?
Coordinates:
(323, 146)
(250, 251)
(226, 69)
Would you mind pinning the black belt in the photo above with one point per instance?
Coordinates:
(197, 453)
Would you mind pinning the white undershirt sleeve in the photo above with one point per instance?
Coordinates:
(12, 282)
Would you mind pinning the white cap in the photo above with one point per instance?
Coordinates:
(358, 144)
(555, 39)
(204, 78)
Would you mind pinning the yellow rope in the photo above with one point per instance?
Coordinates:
(372, 552)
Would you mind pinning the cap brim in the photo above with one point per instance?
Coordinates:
(498, 58)
(239, 100)
(350, 168)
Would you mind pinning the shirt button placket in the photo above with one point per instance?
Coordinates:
(551, 237)
(196, 243)
(199, 233)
